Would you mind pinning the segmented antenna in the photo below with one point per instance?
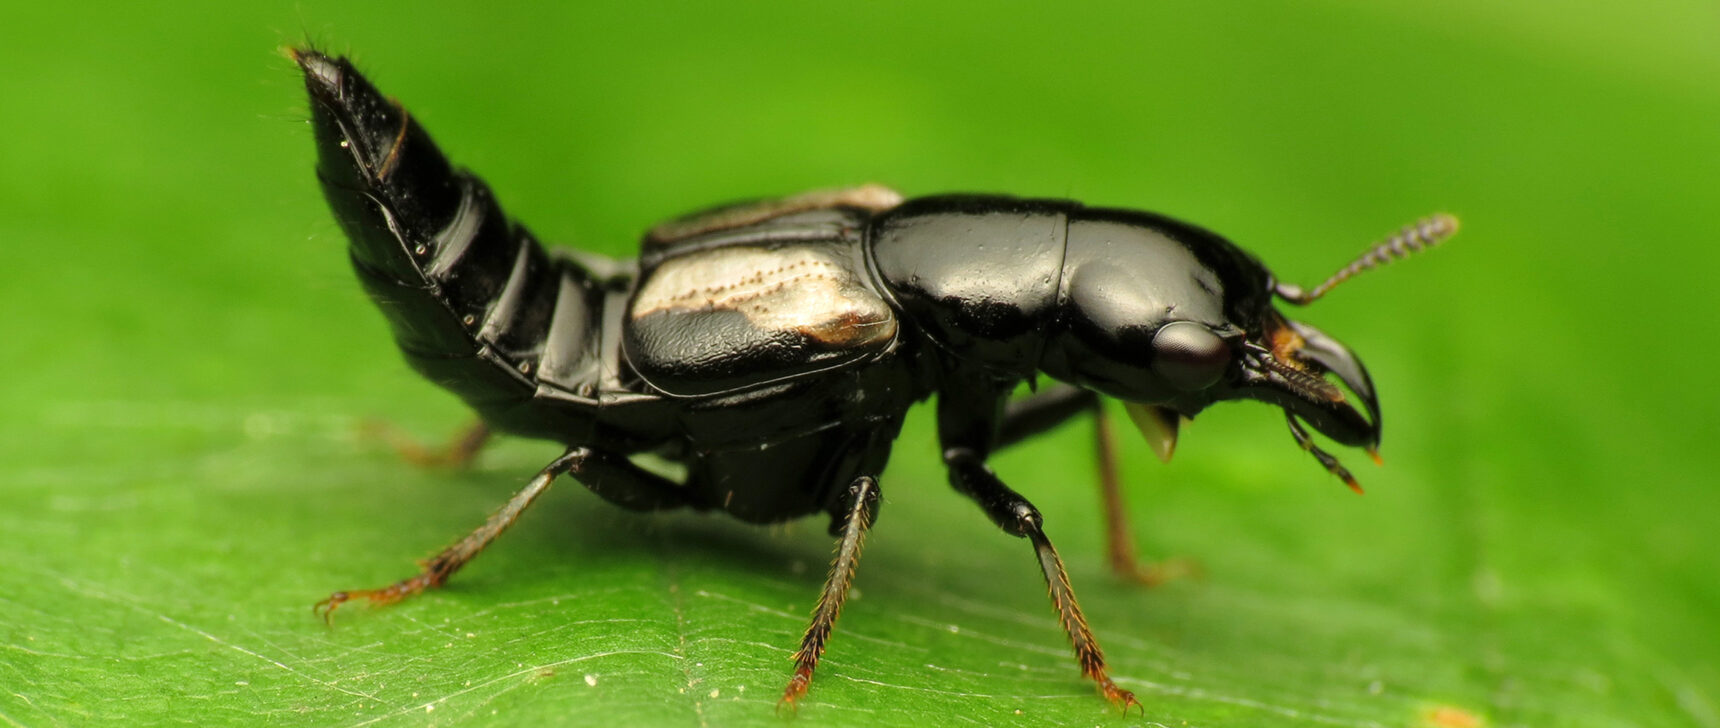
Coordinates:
(1425, 233)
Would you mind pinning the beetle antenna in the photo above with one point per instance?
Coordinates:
(1425, 233)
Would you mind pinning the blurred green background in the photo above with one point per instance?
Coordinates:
(187, 362)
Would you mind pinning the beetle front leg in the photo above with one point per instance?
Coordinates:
(860, 509)
(610, 476)
(1017, 517)
(1056, 404)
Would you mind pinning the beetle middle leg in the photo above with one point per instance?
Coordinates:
(860, 507)
(610, 476)
(1053, 406)
(1120, 545)
(1017, 517)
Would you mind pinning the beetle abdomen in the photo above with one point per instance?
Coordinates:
(475, 303)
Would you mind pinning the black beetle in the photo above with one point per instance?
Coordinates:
(773, 348)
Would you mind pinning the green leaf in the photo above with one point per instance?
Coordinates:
(188, 364)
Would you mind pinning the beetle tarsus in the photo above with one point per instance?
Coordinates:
(457, 453)
(1155, 573)
(438, 568)
(379, 597)
(861, 506)
(1123, 699)
(796, 690)
(1087, 651)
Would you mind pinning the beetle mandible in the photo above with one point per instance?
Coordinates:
(773, 348)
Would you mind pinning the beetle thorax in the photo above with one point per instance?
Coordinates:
(978, 277)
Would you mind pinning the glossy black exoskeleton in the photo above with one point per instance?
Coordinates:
(773, 348)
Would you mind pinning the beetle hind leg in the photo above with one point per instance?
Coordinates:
(456, 453)
(612, 477)
(861, 507)
(438, 568)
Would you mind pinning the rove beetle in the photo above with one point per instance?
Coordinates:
(773, 348)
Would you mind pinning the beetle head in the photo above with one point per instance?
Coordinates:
(1170, 318)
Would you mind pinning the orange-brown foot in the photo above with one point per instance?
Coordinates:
(458, 452)
(1154, 573)
(796, 690)
(1120, 697)
(378, 597)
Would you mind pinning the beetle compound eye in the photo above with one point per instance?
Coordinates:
(1189, 356)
